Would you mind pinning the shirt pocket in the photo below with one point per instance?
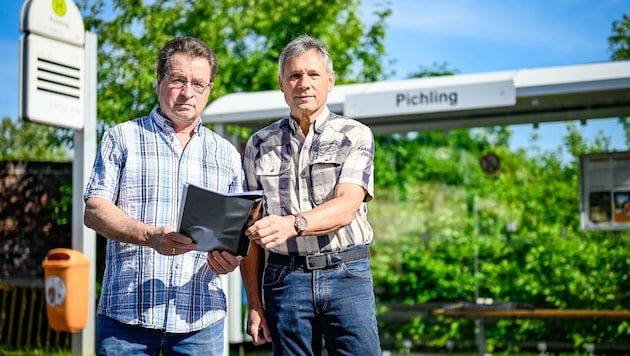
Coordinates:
(270, 171)
(325, 171)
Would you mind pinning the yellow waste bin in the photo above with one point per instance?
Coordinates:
(67, 283)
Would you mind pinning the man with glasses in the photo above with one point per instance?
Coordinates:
(159, 295)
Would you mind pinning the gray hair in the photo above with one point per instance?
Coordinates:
(300, 45)
(190, 46)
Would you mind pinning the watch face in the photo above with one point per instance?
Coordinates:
(300, 223)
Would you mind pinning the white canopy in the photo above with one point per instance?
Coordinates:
(575, 92)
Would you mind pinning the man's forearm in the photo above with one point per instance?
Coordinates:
(251, 273)
(108, 220)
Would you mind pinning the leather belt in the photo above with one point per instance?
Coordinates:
(320, 260)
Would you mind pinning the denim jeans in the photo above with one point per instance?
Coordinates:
(335, 304)
(116, 338)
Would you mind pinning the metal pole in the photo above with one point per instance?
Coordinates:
(84, 239)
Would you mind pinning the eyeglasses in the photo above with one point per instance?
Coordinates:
(179, 83)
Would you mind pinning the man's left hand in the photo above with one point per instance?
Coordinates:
(222, 262)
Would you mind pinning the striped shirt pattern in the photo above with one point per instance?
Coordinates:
(299, 173)
(141, 167)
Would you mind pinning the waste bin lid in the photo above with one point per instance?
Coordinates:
(65, 257)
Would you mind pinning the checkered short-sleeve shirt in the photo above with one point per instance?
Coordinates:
(298, 173)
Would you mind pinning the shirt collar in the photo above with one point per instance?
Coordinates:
(318, 123)
(321, 120)
(165, 124)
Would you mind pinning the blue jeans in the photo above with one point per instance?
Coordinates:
(335, 304)
(116, 338)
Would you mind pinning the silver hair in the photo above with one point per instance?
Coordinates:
(301, 44)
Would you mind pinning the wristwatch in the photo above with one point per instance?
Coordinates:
(300, 224)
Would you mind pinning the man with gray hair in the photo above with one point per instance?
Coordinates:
(317, 173)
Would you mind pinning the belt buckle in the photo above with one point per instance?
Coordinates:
(331, 259)
(309, 264)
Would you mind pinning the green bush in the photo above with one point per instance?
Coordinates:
(436, 217)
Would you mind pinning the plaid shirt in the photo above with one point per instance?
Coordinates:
(298, 173)
(141, 167)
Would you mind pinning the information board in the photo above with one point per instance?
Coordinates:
(52, 61)
(605, 191)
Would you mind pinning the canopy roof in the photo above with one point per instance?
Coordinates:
(574, 92)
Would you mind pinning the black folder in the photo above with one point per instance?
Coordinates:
(217, 221)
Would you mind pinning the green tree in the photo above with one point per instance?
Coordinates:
(436, 70)
(28, 141)
(577, 145)
(436, 213)
(246, 35)
(619, 41)
(619, 44)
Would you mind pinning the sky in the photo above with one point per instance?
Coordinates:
(496, 35)
(470, 36)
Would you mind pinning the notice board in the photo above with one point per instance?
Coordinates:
(605, 191)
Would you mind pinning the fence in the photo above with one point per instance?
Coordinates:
(35, 204)
(23, 319)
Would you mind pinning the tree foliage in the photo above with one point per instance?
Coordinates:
(436, 70)
(446, 232)
(619, 45)
(246, 35)
(619, 41)
(437, 215)
(28, 141)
